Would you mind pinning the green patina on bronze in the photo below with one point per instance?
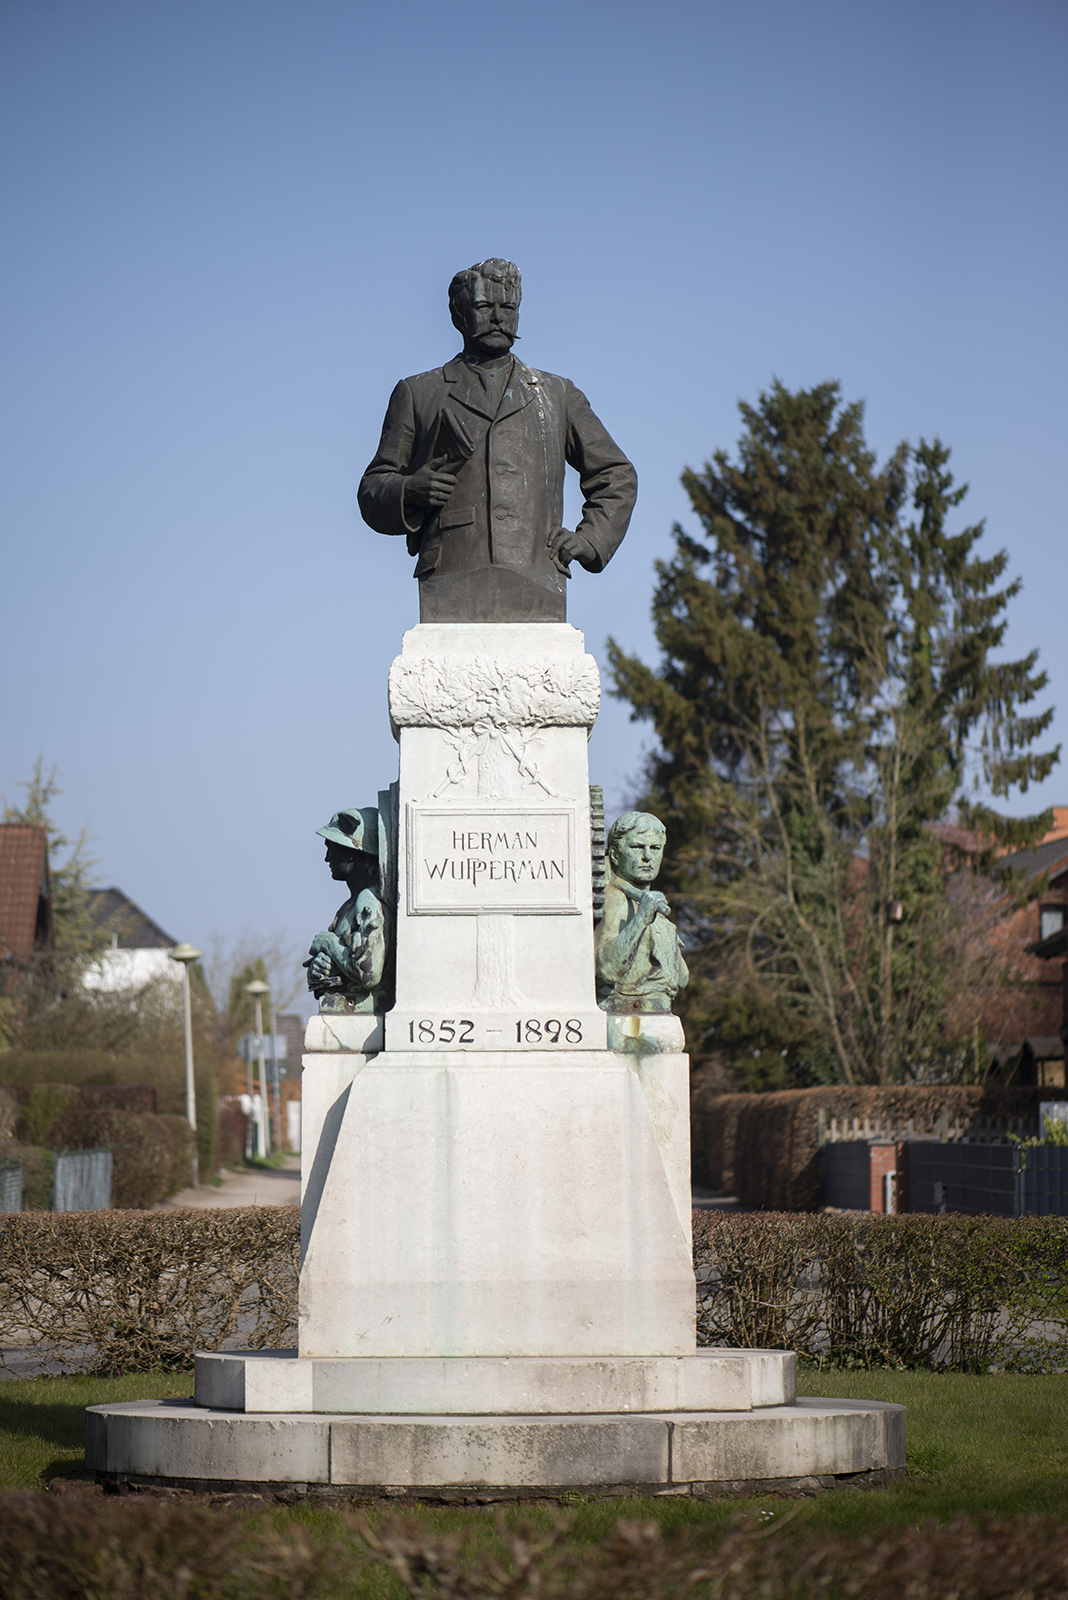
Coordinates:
(640, 966)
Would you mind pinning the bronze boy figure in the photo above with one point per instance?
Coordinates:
(349, 965)
(640, 966)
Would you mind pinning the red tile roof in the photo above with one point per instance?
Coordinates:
(25, 924)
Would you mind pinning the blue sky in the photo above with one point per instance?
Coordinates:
(230, 225)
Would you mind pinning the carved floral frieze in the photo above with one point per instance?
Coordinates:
(499, 691)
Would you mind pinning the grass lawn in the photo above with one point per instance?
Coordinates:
(42, 1421)
(994, 1445)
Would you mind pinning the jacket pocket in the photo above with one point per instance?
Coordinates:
(456, 517)
(429, 556)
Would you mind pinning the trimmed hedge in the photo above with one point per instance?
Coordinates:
(113, 1292)
(40, 1105)
(9, 1113)
(38, 1173)
(36, 1101)
(152, 1156)
(764, 1147)
(147, 1081)
(949, 1293)
(126, 1291)
(714, 1135)
(233, 1132)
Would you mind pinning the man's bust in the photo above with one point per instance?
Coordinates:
(350, 963)
(640, 966)
(470, 469)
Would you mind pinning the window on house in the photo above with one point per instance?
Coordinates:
(1050, 921)
(1051, 1074)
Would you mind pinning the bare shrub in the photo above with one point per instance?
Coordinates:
(55, 1547)
(114, 1291)
(945, 1292)
(1027, 1557)
(128, 1291)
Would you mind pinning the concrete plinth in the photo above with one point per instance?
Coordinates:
(279, 1380)
(811, 1442)
(496, 1203)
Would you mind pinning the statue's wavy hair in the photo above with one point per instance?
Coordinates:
(495, 270)
(630, 822)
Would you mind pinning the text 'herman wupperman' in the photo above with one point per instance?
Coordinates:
(519, 863)
(501, 856)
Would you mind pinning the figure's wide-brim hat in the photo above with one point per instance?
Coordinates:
(356, 828)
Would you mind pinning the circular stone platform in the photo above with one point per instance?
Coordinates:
(808, 1444)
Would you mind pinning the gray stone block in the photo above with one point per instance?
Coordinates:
(711, 1380)
(219, 1381)
(502, 1451)
(96, 1437)
(149, 1438)
(809, 1438)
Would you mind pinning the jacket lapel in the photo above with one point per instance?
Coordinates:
(520, 392)
(465, 387)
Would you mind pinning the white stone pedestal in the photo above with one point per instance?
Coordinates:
(498, 1204)
(280, 1380)
(494, 926)
(497, 1292)
(495, 1182)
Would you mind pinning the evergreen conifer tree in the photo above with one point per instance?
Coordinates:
(826, 694)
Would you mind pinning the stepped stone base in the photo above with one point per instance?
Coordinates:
(809, 1444)
(713, 1380)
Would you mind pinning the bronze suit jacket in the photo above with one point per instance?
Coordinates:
(509, 495)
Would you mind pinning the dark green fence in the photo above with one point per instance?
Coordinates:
(1042, 1181)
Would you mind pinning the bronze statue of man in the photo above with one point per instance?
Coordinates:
(470, 469)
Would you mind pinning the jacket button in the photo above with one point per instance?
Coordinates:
(500, 514)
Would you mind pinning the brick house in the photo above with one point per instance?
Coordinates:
(26, 927)
(1036, 1023)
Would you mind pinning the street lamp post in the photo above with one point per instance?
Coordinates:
(185, 954)
(257, 989)
(277, 1084)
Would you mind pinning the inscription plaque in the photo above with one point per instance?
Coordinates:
(474, 1029)
(490, 859)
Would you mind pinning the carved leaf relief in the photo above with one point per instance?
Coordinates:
(503, 691)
